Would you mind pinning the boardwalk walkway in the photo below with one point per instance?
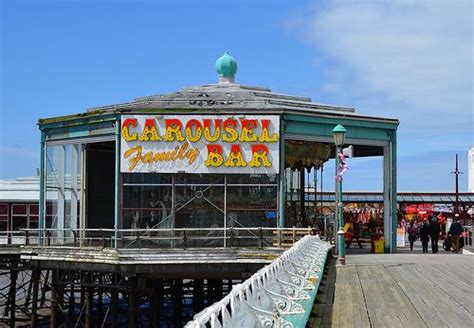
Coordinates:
(405, 290)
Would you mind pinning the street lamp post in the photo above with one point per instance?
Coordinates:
(339, 133)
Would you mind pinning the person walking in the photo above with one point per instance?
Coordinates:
(425, 235)
(434, 230)
(455, 232)
(412, 232)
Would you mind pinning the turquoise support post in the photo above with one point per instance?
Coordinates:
(341, 259)
(41, 223)
(282, 197)
(118, 204)
(393, 191)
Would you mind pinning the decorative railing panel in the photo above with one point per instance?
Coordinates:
(279, 295)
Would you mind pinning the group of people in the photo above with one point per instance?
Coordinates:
(429, 229)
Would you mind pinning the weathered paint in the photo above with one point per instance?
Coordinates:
(118, 203)
(282, 191)
(41, 209)
(325, 130)
(81, 131)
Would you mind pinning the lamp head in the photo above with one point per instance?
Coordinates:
(339, 133)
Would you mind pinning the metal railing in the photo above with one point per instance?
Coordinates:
(255, 237)
(279, 295)
(12, 238)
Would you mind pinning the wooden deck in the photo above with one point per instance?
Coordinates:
(405, 290)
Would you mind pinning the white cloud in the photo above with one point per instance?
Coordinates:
(414, 58)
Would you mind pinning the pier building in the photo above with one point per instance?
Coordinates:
(159, 205)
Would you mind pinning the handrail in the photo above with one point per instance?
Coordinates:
(273, 296)
(258, 237)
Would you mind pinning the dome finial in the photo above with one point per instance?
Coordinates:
(226, 67)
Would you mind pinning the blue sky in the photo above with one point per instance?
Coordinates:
(410, 60)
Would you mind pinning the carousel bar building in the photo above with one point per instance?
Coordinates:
(169, 201)
(208, 156)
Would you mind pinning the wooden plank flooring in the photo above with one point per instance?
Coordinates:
(405, 290)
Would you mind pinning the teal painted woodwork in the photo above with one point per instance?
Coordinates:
(80, 130)
(41, 209)
(300, 320)
(393, 148)
(323, 127)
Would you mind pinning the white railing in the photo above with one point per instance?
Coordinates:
(279, 295)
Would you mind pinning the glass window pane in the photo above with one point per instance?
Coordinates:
(148, 197)
(251, 197)
(19, 209)
(238, 218)
(3, 209)
(147, 178)
(34, 209)
(199, 179)
(19, 223)
(252, 179)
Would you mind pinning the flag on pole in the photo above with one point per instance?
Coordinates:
(342, 167)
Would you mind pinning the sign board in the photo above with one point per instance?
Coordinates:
(200, 144)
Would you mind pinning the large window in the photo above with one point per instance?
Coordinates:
(154, 200)
(63, 188)
(14, 217)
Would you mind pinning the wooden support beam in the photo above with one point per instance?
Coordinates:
(178, 302)
(100, 292)
(72, 303)
(12, 296)
(60, 294)
(113, 306)
(89, 299)
(53, 321)
(198, 293)
(156, 300)
(114, 300)
(28, 293)
(35, 276)
(133, 303)
(44, 289)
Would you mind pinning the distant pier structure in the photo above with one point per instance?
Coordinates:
(151, 210)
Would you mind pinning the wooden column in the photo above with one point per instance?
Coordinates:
(114, 300)
(60, 295)
(133, 303)
(89, 299)
(72, 302)
(34, 305)
(100, 292)
(53, 323)
(198, 293)
(178, 302)
(12, 296)
(156, 300)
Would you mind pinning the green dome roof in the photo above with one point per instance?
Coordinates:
(226, 66)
